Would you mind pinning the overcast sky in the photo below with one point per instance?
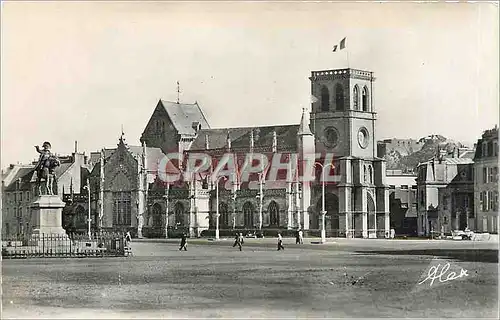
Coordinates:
(79, 71)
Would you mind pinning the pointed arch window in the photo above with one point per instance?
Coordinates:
(355, 95)
(325, 99)
(248, 215)
(179, 214)
(157, 212)
(339, 97)
(274, 215)
(224, 217)
(122, 209)
(364, 99)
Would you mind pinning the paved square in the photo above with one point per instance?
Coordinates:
(346, 278)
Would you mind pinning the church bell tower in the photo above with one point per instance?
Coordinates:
(342, 116)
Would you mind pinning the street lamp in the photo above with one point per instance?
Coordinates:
(323, 212)
(88, 219)
(217, 207)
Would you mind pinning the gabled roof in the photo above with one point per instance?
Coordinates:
(25, 175)
(15, 172)
(59, 171)
(183, 115)
(286, 137)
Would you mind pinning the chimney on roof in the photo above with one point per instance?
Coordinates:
(76, 146)
(304, 124)
(252, 141)
(207, 144)
(275, 141)
(196, 126)
(228, 140)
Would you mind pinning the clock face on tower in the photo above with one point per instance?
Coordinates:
(363, 137)
(331, 137)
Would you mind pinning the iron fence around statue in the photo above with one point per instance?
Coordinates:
(62, 246)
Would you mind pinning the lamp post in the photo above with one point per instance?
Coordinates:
(217, 207)
(323, 210)
(88, 218)
(166, 210)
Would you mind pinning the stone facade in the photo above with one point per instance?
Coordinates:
(403, 202)
(445, 195)
(486, 182)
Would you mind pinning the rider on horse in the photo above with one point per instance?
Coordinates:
(45, 167)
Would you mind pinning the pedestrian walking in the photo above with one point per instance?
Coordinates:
(183, 242)
(128, 238)
(297, 236)
(280, 242)
(238, 240)
(301, 236)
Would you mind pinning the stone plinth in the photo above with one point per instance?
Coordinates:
(47, 215)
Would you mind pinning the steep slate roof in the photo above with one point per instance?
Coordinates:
(286, 136)
(183, 115)
(25, 174)
(217, 138)
(62, 169)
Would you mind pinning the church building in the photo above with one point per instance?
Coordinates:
(341, 123)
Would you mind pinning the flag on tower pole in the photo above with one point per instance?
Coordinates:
(340, 46)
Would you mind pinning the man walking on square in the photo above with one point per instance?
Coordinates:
(297, 236)
(238, 240)
(280, 242)
(183, 242)
(301, 237)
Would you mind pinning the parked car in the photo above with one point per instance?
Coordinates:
(463, 234)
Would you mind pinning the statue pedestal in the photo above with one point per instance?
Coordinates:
(47, 216)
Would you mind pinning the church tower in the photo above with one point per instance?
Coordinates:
(342, 116)
(343, 122)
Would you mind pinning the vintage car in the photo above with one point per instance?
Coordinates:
(462, 234)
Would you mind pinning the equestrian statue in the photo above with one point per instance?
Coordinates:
(45, 169)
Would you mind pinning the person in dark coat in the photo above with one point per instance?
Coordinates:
(183, 242)
(238, 240)
(280, 242)
(297, 237)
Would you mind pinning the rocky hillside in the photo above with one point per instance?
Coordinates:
(408, 163)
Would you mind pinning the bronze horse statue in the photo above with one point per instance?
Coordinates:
(46, 172)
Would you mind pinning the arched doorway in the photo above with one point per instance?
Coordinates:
(332, 224)
(274, 214)
(248, 212)
(372, 216)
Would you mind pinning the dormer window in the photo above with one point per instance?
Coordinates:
(196, 126)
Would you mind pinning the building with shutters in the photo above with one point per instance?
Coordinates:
(486, 181)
